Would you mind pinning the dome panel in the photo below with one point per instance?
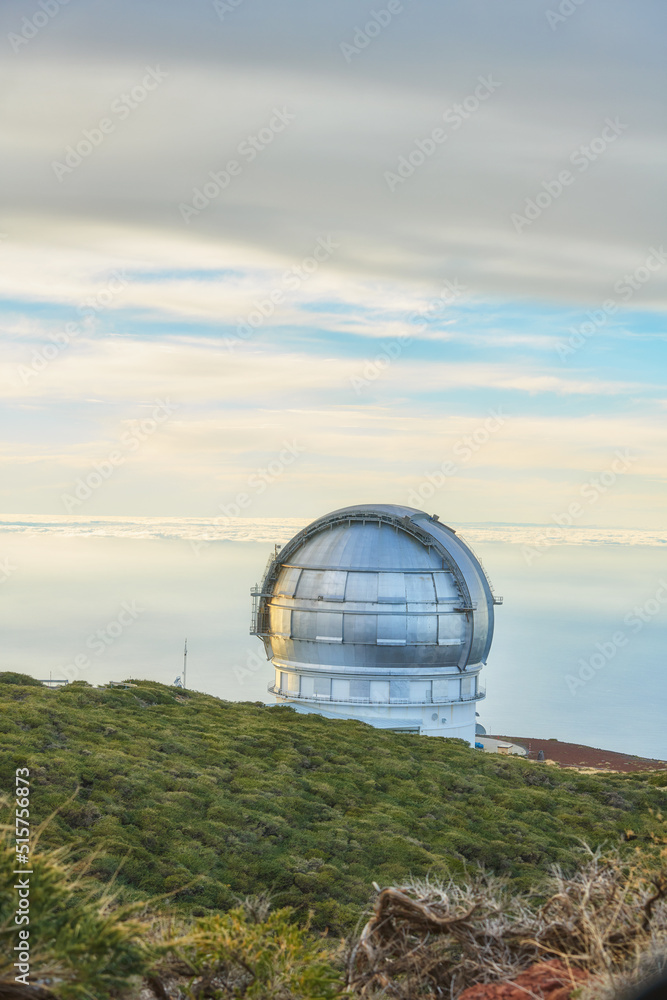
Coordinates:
(362, 587)
(391, 588)
(445, 587)
(287, 581)
(419, 588)
(364, 546)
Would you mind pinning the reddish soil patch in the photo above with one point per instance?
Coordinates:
(546, 980)
(577, 755)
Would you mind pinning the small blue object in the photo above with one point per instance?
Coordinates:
(479, 746)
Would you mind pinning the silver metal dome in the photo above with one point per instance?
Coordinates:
(373, 607)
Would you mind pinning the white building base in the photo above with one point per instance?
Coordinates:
(453, 721)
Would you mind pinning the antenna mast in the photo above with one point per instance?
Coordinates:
(185, 662)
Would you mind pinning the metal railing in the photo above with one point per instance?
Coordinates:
(259, 616)
(295, 696)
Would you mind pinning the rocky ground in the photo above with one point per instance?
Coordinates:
(544, 981)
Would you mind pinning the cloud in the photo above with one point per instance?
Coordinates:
(274, 529)
(208, 452)
(352, 124)
(196, 370)
(168, 287)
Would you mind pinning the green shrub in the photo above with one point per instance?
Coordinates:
(259, 956)
(10, 677)
(80, 944)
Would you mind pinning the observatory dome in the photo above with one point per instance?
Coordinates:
(380, 613)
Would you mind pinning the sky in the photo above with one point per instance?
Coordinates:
(267, 259)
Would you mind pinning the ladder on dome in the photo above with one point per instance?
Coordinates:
(259, 617)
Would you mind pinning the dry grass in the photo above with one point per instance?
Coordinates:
(434, 939)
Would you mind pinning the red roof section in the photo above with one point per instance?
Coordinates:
(578, 755)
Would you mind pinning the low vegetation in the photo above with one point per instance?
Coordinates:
(84, 946)
(605, 925)
(209, 801)
(79, 939)
(210, 809)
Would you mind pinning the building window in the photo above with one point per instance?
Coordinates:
(322, 686)
(340, 690)
(307, 689)
(399, 690)
(360, 689)
(454, 688)
(379, 691)
(420, 691)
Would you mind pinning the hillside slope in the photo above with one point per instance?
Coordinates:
(221, 799)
